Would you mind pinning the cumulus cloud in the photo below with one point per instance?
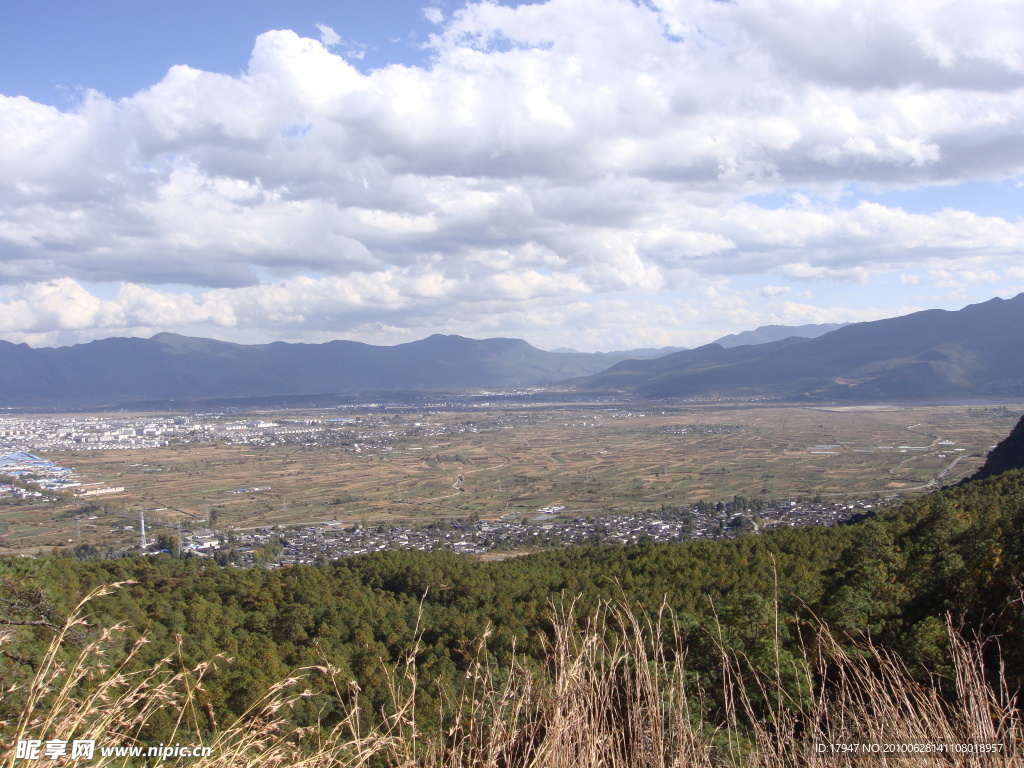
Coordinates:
(574, 151)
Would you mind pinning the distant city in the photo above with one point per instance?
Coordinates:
(274, 546)
(371, 429)
(543, 530)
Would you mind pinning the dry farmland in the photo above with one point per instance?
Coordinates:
(427, 466)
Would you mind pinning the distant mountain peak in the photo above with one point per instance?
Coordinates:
(766, 334)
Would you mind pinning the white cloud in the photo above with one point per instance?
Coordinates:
(584, 150)
(328, 36)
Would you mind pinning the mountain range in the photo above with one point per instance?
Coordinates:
(119, 371)
(934, 354)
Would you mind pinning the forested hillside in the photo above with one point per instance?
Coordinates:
(957, 552)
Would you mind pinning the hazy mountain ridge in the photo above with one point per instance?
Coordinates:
(627, 354)
(766, 334)
(931, 354)
(172, 367)
(975, 351)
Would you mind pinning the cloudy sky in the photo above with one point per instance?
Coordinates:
(595, 174)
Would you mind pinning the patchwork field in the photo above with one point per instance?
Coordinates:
(430, 466)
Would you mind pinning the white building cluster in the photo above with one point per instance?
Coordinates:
(33, 475)
(77, 433)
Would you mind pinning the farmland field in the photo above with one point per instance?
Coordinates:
(422, 467)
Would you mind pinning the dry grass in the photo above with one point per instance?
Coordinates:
(613, 694)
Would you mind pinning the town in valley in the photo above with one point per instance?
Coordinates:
(498, 476)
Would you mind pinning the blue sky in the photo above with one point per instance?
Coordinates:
(596, 174)
(1003, 198)
(51, 49)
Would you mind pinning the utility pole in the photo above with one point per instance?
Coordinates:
(142, 527)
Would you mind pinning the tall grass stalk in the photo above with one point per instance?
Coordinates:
(613, 691)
